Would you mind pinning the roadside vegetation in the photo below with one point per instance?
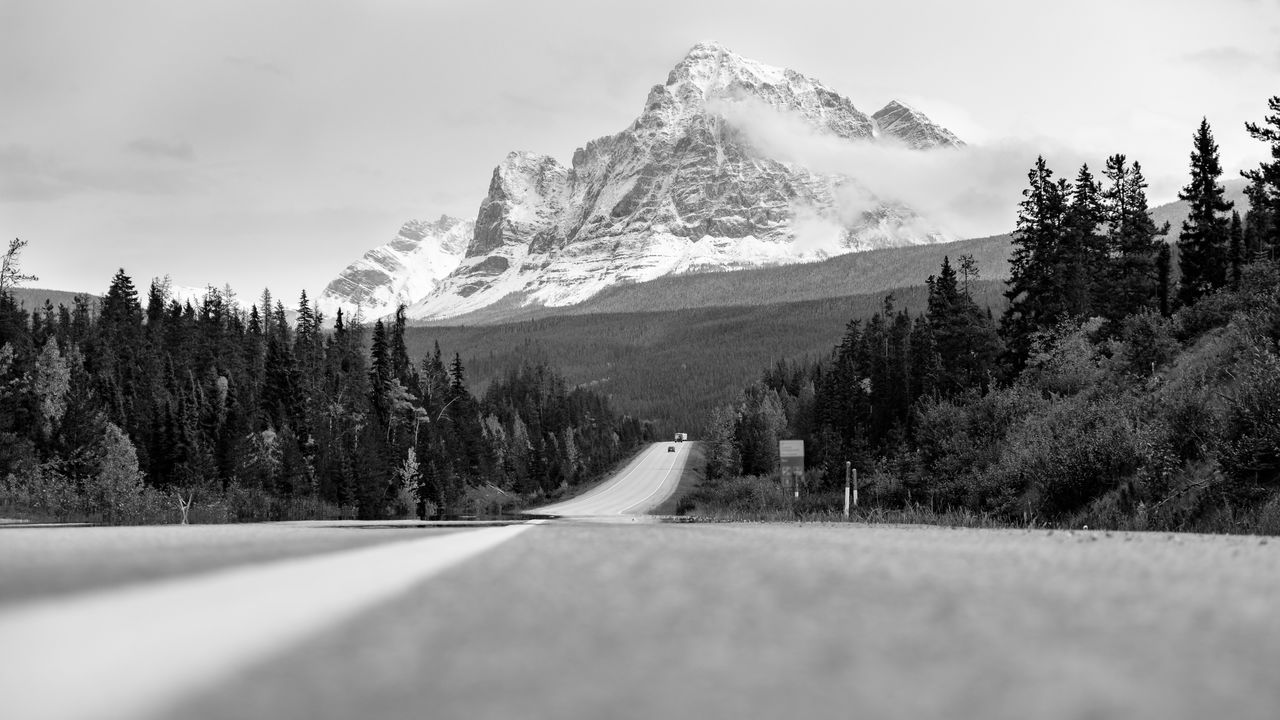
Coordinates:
(1128, 383)
(121, 411)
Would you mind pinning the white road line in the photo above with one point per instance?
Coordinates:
(133, 652)
(610, 487)
(622, 495)
(682, 456)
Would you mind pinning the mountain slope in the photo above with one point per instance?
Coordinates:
(401, 271)
(681, 190)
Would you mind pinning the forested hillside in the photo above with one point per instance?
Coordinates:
(154, 411)
(670, 367)
(1122, 386)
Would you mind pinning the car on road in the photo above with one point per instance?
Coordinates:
(671, 448)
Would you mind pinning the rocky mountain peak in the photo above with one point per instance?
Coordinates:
(901, 121)
(710, 72)
(682, 189)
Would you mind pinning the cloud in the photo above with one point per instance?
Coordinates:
(966, 192)
(173, 150)
(257, 65)
(29, 174)
(1224, 59)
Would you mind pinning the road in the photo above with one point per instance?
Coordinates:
(647, 481)
(579, 618)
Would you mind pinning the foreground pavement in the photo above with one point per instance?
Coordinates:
(612, 617)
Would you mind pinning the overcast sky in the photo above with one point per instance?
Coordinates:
(271, 143)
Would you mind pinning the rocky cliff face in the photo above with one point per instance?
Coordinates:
(682, 189)
(401, 271)
(910, 126)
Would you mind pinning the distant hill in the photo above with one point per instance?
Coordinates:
(34, 298)
(1175, 212)
(867, 273)
(669, 366)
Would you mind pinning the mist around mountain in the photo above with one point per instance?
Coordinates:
(692, 186)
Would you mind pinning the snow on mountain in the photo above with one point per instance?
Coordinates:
(196, 295)
(682, 189)
(912, 127)
(401, 271)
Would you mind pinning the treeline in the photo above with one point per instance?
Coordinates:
(1116, 389)
(149, 410)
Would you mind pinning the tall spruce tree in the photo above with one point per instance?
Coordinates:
(1082, 255)
(1202, 244)
(961, 334)
(1133, 240)
(1257, 221)
(1034, 304)
(1235, 250)
(1266, 179)
(1163, 280)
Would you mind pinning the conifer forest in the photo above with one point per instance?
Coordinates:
(147, 410)
(1132, 379)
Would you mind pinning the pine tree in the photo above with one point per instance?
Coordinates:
(380, 372)
(1163, 262)
(966, 344)
(1202, 244)
(1032, 288)
(1266, 178)
(457, 376)
(1235, 250)
(1133, 240)
(1082, 257)
(1257, 221)
(401, 368)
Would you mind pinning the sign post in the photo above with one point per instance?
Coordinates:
(791, 455)
(847, 465)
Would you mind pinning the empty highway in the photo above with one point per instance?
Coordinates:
(638, 488)
(604, 616)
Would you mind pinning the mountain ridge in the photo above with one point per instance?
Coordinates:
(682, 189)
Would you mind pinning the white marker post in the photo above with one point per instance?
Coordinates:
(855, 487)
(847, 465)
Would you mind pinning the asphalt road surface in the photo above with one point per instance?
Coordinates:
(647, 481)
(584, 618)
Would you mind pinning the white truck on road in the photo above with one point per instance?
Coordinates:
(681, 437)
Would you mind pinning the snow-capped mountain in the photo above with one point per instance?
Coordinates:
(402, 271)
(195, 296)
(912, 127)
(684, 188)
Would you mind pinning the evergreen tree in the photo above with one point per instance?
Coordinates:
(380, 372)
(1133, 240)
(1257, 220)
(1266, 178)
(1082, 256)
(401, 367)
(964, 340)
(1163, 262)
(1202, 244)
(1235, 250)
(1033, 285)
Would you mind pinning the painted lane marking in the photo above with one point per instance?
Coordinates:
(136, 651)
(585, 504)
(683, 457)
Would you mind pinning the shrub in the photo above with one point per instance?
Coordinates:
(1071, 454)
